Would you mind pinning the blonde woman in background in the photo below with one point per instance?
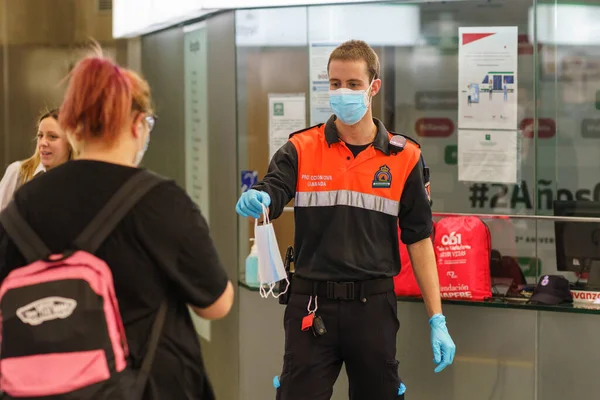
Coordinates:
(52, 149)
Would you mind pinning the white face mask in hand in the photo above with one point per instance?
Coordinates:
(270, 264)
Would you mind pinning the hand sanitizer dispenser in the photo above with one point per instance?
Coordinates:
(252, 267)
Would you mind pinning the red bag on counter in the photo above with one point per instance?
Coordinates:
(463, 251)
(405, 283)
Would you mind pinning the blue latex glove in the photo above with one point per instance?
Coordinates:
(251, 202)
(401, 389)
(441, 343)
(276, 383)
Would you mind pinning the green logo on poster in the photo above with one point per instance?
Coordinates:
(278, 109)
(451, 154)
(531, 266)
(488, 137)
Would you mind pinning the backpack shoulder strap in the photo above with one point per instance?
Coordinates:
(152, 345)
(29, 243)
(115, 210)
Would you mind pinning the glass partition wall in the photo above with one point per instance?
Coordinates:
(567, 163)
(283, 51)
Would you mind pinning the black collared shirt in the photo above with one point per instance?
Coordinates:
(380, 142)
(348, 209)
(357, 148)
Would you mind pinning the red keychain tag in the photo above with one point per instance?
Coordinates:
(307, 321)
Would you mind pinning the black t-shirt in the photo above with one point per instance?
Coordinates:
(357, 148)
(161, 249)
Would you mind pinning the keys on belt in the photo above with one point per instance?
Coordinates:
(312, 320)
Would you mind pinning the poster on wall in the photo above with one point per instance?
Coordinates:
(287, 114)
(320, 111)
(488, 156)
(487, 77)
(196, 131)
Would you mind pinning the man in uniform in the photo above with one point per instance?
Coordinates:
(353, 183)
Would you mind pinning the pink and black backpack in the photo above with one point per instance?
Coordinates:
(61, 329)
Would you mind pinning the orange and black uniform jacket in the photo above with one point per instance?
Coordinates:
(347, 209)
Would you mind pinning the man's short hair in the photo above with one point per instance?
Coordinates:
(357, 50)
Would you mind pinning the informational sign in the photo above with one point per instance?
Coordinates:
(320, 111)
(487, 78)
(488, 156)
(287, 114)
(196, 118)
(196, 132)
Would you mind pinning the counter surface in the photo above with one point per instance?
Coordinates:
(501, 302)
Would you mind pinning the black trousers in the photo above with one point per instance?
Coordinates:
(362, 335)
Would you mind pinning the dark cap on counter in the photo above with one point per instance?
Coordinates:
(552, 290)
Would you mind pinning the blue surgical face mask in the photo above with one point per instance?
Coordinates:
(140, 154)
(349, 106)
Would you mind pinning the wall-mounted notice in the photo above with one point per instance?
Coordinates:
(196, 132)
(488, 156)
(287, 114)
(320, 111)
(487, 78)
(196, 117)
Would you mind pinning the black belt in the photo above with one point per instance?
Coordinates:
(342, 290)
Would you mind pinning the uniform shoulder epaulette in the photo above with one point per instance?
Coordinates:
(407, 137)
(305, 129)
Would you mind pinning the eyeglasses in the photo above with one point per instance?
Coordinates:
(151, 121)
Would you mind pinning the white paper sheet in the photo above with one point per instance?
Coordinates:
(487, 78)
(320, 111)
(287, 114)
(488, 156)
